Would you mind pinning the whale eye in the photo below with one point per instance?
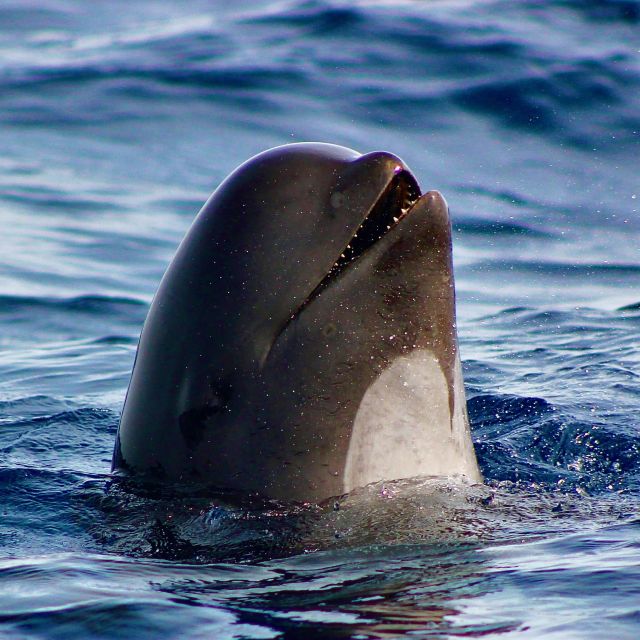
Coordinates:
(329, 330)
(194, 421)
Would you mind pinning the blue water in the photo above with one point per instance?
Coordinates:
(117, 119)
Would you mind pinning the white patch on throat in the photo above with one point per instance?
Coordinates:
(404, 427)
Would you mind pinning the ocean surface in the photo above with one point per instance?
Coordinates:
(117, 120)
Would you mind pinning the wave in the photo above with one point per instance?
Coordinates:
(493, 228)
(529, 439)
(625, 11)
(51, 199)
(559, 269)
(88, 304)
(517, 79)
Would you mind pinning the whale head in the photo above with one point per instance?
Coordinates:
(303, 339)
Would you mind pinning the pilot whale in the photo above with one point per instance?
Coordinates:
(303, 340)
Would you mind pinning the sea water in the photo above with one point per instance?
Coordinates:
(117, 119)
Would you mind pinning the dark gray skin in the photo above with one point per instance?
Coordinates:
(256, 356)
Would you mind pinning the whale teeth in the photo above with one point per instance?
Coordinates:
(395, 202)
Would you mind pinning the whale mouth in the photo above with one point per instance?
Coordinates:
(395, 203)
(397, 200)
